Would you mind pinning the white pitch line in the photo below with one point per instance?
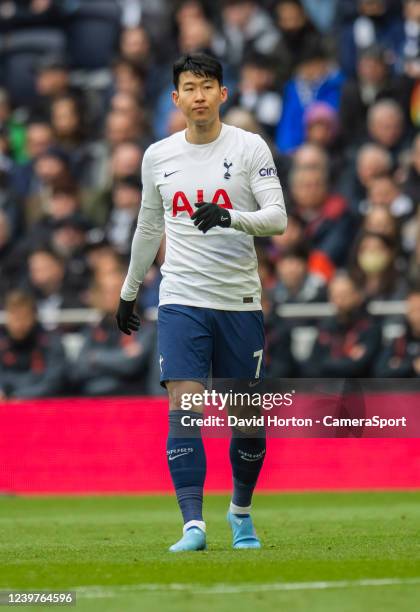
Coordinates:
(92, 592)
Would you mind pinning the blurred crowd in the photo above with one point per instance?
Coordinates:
(332, 86)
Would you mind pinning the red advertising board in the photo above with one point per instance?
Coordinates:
(117, 445)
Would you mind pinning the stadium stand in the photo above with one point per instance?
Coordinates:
(84, 89)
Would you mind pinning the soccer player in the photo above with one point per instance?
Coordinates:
(211, 187)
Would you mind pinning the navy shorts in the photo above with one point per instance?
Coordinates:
(195, 342)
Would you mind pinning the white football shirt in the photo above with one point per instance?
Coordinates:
(217, 269)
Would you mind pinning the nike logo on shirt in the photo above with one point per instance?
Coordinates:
(169, 173)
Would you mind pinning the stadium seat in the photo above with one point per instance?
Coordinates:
(92, 34)
(20, 52)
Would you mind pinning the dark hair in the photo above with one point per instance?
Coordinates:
(47, 249)
(65, 187)
(130, 180)
(387, 241)
(297, 251)
(316, 49)
(200, 64)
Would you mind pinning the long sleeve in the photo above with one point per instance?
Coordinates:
(271, 218)
(148, 235)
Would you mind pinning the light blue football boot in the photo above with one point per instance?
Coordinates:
(193, 539)
(243, 532)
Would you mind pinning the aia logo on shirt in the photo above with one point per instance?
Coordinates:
(180, 202)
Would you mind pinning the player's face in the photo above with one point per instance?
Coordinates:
(199, 98)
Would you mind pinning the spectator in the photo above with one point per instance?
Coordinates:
(70, 184)
(294, 236)
(379, 220)
(66, 120)
(53, 81)
(122, 221)
(120, 129)
(32, 361)
(385, 123)
(348, 342)
(410, 48)
(401, 358)
(198, 34)
(247, 26)
(373, 268)
(62, 202)
(110, 363)
(52, 288)
(129, 78)
(39, 137)
(50, 169)
(295, 283)
(411, 186)
(316, 79)
(311, 156)
(126, 103)
(323, 130)
(384, 191)
(20, 13)
(69, 239)
(371, 161)
(125, 160)
(328, 223)
(371, 21)
(321, 125)
(297, 34)
(135, 46)
(256, 92)
(373, 82)
(103, 261)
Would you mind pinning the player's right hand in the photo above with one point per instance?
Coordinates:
(127, 320)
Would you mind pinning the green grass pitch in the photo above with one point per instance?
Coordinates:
(346, 552)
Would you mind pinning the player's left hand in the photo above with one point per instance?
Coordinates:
(127, 320)
(209, 215)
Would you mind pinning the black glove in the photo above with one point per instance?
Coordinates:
(126, 318)
(209, 215)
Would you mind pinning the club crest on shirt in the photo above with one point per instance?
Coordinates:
(227, 165)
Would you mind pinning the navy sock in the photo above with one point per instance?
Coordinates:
(246, 458)
(187, 464)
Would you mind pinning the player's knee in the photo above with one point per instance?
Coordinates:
(185, 395)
